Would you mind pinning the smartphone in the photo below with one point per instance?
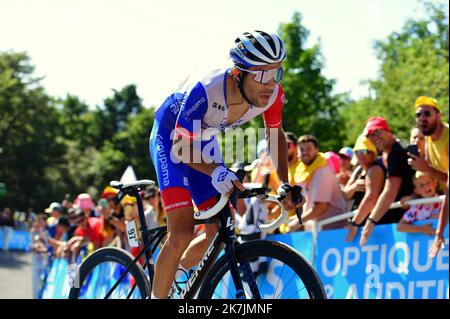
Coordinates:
(413, 149)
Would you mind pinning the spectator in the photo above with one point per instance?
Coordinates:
(320, 188)
(67, 231)
(345, 170)
(262, 169)
(67, 203)
(109, 193)
(417, 138)
(398, 175)
(424, 187)
(56, 212)
(365, 184)
(154, 210)
(90, 228)
(334, 161)
(85, 203)
(428, 119)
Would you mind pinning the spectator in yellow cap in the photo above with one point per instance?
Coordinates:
(365, 185)
(428, 119)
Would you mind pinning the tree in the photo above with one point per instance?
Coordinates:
(414, 62)
(311, 107)
(29, 134)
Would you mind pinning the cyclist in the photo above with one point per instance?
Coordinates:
(186, 154)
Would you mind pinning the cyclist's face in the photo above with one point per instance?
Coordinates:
(259, 93)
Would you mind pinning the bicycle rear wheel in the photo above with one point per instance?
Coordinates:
(101, 271)
(280, 272)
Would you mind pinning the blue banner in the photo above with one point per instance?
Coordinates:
(18, 239)
(392, 265)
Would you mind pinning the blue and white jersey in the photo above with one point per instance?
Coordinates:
(202, 105)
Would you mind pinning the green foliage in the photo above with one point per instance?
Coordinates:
(414, 62)
(311, 107)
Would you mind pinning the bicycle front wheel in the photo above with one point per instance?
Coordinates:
(100, 272)
(280, 272)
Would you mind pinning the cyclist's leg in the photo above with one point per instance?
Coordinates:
(180, 226)
(177, 201)
(204, 196)
(198, 246)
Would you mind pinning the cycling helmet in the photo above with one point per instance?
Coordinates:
(257, 48)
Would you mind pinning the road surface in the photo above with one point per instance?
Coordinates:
(15, 275)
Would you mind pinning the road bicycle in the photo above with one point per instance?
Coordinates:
(226, 271)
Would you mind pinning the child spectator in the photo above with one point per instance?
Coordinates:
(424, 187)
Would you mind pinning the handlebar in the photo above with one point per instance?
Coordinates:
(248, 193)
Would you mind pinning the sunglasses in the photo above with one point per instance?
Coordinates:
(264, 76)
(424, 113)
(359, 152)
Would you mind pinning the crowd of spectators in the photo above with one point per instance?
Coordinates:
(378, 170)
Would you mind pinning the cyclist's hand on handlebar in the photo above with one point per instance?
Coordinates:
(223, 179)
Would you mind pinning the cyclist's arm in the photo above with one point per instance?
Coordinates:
(274, 125)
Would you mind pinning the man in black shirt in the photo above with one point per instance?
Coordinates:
(398, 175)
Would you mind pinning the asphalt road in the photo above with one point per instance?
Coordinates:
(15, 275)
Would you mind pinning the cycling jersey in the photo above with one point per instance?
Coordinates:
(199, 111)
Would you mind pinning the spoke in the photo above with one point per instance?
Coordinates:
(295, 293)
(265, 275)
(279, 279)
(294, 275)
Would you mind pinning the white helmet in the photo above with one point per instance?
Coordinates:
(257, 48)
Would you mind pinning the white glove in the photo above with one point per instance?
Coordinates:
(222, 179)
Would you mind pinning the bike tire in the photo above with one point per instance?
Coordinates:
(249, 251)
(114, 255)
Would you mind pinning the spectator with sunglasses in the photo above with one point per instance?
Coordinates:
(398, 175)
(365, 184)
(428, 119)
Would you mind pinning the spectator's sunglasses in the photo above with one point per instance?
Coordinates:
(359, 152)
(424, 113)
(264, 76)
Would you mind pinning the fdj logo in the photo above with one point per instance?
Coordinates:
(222, 176)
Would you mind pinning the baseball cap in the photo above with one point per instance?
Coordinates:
(55, 206)
(346, 151)
(363, 143)
(425, 100)
(376, 123)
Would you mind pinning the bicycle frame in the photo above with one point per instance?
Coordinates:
(225, 238)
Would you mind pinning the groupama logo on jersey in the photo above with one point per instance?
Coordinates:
(222, 176)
